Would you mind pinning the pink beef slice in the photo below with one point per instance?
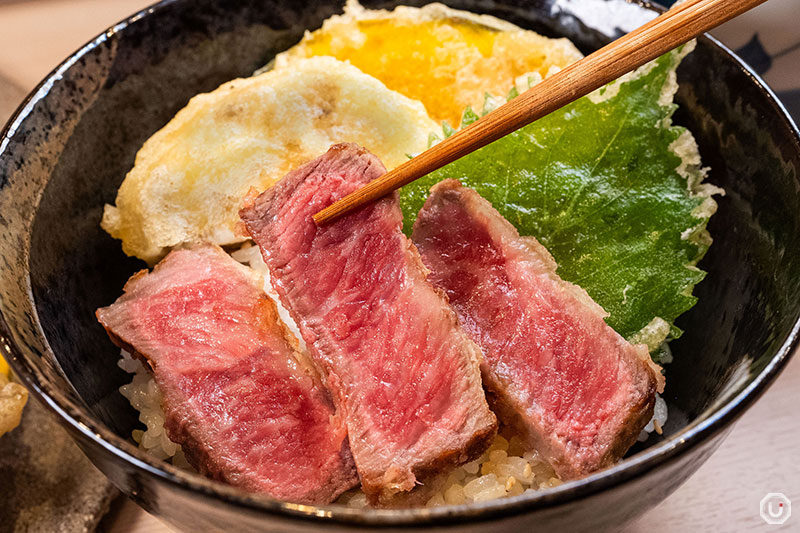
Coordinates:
(553, 369)
(399, 366)
(235, 393)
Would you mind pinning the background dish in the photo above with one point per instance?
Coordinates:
(123, 60)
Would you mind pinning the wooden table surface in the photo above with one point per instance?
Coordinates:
(761, 455)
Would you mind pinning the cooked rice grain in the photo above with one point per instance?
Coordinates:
(144, 396)
(503, 470)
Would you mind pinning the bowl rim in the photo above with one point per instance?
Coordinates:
(77, 419)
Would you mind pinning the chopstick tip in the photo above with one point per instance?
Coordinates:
(322, 217)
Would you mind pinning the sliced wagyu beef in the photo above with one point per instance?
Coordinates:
(403, 372)
(235, 392)
(577, 391)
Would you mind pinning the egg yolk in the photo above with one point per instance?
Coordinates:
(446, 64)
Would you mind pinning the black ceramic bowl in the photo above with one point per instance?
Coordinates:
(67, 149)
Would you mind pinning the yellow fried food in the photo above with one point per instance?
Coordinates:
(445, 58)
(12, 400)
(190, 177)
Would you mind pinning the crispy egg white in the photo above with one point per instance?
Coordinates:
(189, 178)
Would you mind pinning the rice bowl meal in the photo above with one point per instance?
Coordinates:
(497, 327)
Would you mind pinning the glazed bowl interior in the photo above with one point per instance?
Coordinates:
(67, 151)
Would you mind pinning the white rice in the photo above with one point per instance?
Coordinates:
(657, 422)
(505, 469)
(145, 397)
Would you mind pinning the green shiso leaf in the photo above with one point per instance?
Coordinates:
(612, 189)
(468, 117)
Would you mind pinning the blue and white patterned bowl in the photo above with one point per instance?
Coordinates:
(768, 39)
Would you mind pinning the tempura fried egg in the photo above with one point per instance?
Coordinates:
(190, 177)
(446, 58)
